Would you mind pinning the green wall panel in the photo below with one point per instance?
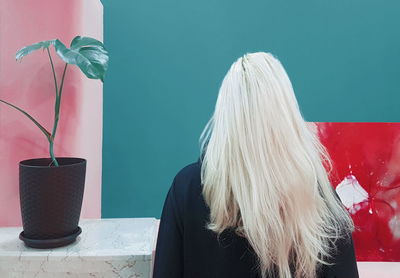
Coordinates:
(168, 59)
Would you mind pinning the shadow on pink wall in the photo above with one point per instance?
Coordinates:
(29, 85)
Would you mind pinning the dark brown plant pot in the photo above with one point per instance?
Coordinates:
(51, 201)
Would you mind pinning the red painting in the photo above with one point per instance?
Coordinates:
(366, 176)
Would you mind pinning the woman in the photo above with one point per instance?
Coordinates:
(259, 202)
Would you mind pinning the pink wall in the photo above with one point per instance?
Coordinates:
(29, 85)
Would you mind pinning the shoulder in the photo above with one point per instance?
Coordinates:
(187, 183)
(343, 262)
(188, 174)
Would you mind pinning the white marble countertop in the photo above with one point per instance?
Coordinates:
(379, 269)
(106, 248)
(109, 248)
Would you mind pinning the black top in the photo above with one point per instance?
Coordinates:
(186, 249)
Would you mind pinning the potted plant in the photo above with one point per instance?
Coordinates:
(51, 189)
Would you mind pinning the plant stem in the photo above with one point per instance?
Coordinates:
(53, 158)
(62, 79)
(52, 69)
(56, 112)
(58, 105)
(50, 136)
(44, 130)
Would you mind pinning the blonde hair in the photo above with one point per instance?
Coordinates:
(264, 171)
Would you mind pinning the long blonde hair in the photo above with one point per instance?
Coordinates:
(264, 171)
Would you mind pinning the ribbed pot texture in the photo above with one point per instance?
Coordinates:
(51, 197)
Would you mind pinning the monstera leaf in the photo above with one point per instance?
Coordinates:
(28, 49)
(79, 41)
(87, 53)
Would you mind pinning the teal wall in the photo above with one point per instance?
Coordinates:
(169, 57)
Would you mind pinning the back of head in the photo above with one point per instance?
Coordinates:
(264, 171)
